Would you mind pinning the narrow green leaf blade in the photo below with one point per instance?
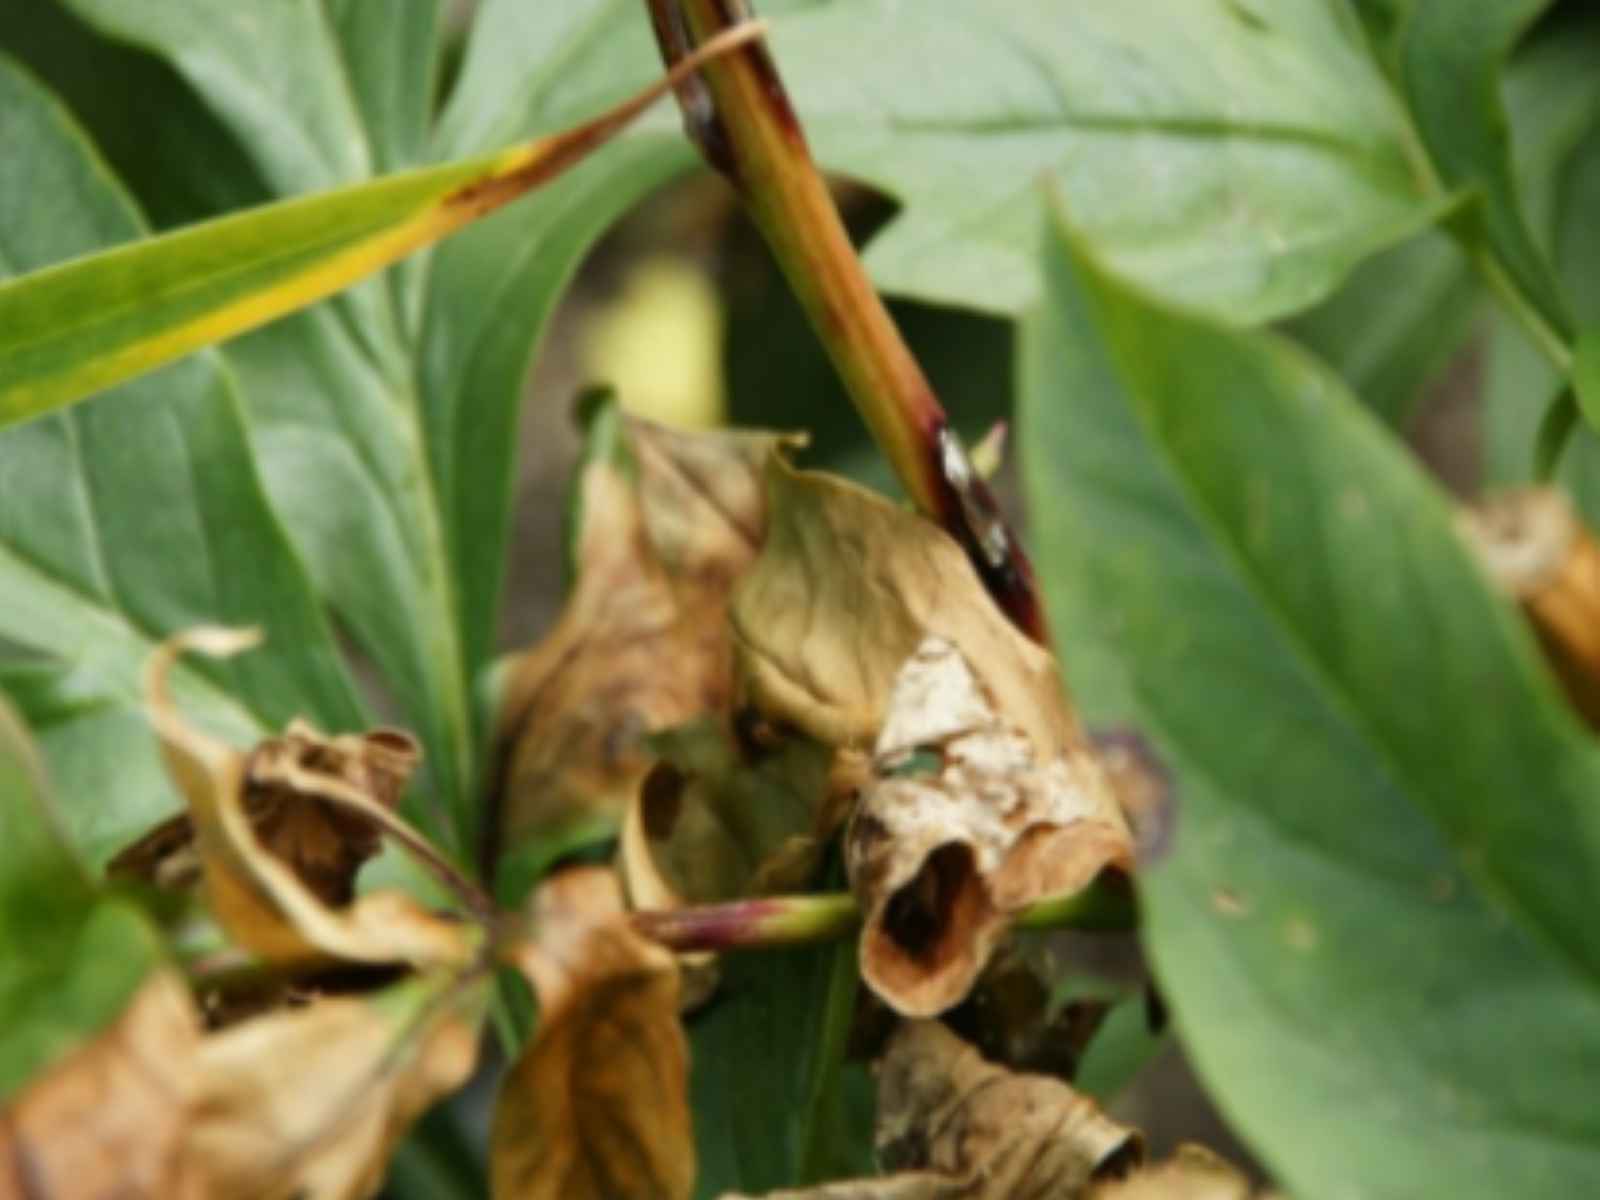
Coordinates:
(69, 332)
(1375, 919)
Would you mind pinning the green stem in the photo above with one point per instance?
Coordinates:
(808, 920)
(1550, 342)
(739, 116)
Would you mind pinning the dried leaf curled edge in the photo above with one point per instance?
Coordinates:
(954, 1127)
(668, 521)
(942, 860)
(260, 899)
(1539, 553)
(597, 1107)
(309, 1104)
(109, 1120)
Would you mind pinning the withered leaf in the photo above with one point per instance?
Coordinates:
(597, 1107)
(941, 861)
(287, 782)
(1539, 553)
(641, 644)
(309, 1104)
(108, 1120)
(951, 1125)
(1192, 1173)
(260, 899)
(846, 588)
(706, 823)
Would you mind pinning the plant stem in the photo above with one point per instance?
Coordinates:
(807, 920)
(738, 114)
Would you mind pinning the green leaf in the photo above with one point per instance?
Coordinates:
(1396, 324)
(274, 71)
(1450, 55)
(1553, 96)
(1375, 920)
(766, 1073)
(138, 515)
(71, 961)
(176, 158)
(1586, 375)
(1241, 155)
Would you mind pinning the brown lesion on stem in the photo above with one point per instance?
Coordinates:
(738, 114)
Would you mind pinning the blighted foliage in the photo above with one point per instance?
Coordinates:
(780, 709)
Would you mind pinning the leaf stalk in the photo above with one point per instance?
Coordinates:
(738, 114)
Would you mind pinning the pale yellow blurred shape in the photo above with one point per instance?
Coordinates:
(659, 344)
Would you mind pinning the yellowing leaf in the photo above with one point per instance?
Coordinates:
(668, 521)
(941, 861)
(953, 1127)
(309, 1104)
(108, 1120)
(263, 903)
(597, 1107)
(846, 588)
(77, 329)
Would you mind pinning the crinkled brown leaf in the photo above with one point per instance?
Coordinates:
(711, 821)
(108, 1120)
(597, 1107)
(309, 1104)
(260, 899)
(1193, 1173)
(641, 645)
(1537, 550)
(846, 588)
(953, 1126)
(286, 786)
(942, 860)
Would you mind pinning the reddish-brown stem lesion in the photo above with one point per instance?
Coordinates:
(738, 114)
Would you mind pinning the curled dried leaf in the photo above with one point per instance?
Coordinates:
(846, 588)
(1539, 553)
(264, 904)
(1193, 1173)
(597, 1106)
(951, 1125)
(942, 860)
(108, 1120)
(668, 523)
(293, 786)
(711, 822)
(309, 1104)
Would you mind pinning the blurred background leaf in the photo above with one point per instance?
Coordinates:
(1374, 943)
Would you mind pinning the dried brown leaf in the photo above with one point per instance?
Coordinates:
(260, 899)
(1193, 1173)
(597, 1107)
(710, 822)
(846, 588)
(951, 1125)
(309, 1104)
(1540, 554)
(287, 786)
(108, 1120)
(942, 861)
(641, 644)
